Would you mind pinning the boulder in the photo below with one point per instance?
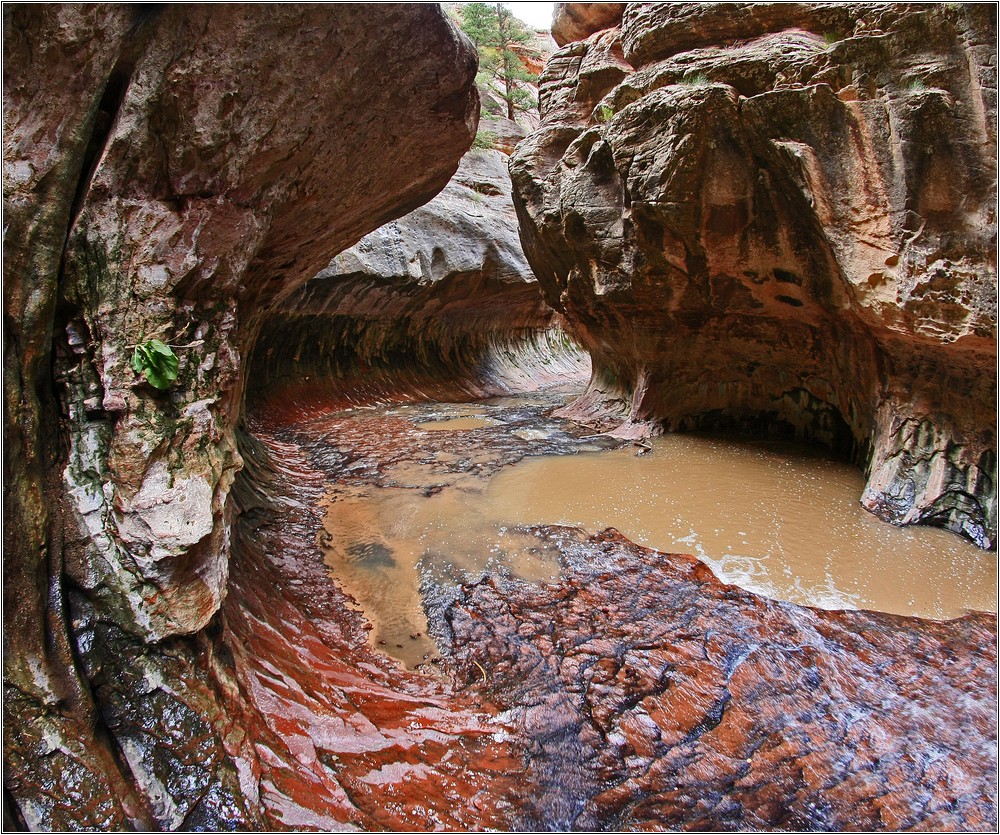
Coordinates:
(780, 217)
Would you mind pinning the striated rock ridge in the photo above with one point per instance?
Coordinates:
(170, 172)
(781, 216)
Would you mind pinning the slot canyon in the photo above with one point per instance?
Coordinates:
(374, 460)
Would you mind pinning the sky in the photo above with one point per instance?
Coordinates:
(536, 15)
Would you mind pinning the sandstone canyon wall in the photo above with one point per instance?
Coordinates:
(782, 217)
(440, 302)
(703, 202)
(170, 172)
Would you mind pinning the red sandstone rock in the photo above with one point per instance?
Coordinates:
(772, 215)
(577, 21)
(171, 172)
(652, 696)
(344, 735)
(637, 692)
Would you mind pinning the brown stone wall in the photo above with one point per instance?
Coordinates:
(170, 172)
(781, 216)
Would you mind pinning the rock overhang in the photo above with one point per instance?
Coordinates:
(783, 209)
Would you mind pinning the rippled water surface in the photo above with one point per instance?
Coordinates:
(776, 519)
(454, 424)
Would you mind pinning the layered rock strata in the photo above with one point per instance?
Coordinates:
(170, 172)
(440, 302)
(781, 217)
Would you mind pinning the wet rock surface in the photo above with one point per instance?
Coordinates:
(635, 691)
(344, 736)
(780, 217)
(180, 172)
(653, 696)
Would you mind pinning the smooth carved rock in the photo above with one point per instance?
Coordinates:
(782, 217)
(347, 737)
(171, 172)
(470, 228)
(576, 21)
(437, 295)
(190, 236)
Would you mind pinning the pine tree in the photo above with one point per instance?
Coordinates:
(495, 32)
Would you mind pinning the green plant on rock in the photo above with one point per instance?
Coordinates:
(156, 362)
(485, 141)
(698, 79)
(605, 112)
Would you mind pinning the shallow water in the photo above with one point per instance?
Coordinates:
(453, 424)
(776, 519)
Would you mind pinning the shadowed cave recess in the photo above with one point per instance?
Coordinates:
(773, 222)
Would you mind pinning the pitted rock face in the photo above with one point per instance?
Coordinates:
(782, 217)
(204, 208)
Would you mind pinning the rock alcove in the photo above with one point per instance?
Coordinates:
(779, 221)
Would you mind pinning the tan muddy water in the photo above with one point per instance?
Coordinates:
(454, 424)
(775, 519)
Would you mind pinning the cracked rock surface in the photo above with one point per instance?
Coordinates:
(649, 695)
(633, 692)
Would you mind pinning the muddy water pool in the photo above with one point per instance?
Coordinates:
(432, 495)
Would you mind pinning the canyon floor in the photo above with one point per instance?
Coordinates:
(566, 680)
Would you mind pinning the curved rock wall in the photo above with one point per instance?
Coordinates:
(782, 216)
(170, 172)
(184, 171)
(440, 303)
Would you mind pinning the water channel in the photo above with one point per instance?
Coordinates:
(431, 494)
